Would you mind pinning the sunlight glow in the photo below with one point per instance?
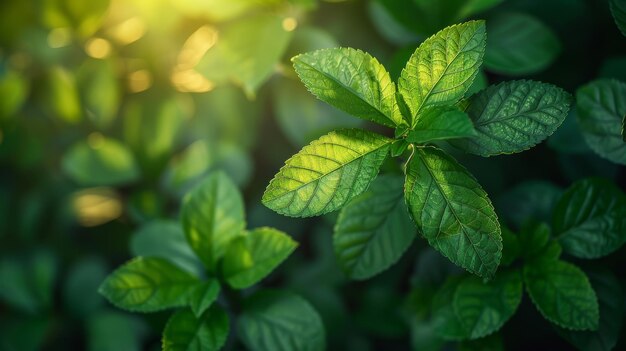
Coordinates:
(139, 81)
(96, 206)
(98, 48)
(184, 77)
(289, 24)
(128, 31)
(59, 37)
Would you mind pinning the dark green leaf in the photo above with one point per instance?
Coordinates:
(373, 230)
(483, 308)
(601, 107)
(590, 218)
(562, 293)
(327, 173)
(452, 211)
(112, 330)
(352, 81)
(203, 296)
(446, 322)
(280, 321)
(212, 215)
(519, 44)
(618, 9)
(80, 292)
(436, 123)
(254, 255)
(514, 116)
(185, 332)
(490, 343)
(443, 67)
(533, 199)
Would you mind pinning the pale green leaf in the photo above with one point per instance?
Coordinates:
(99, 91)
(618, 10)
(148, 284)
(436, 123)
(590, 219)
(352, 81)
(514, 116)
(100, 161)
(246, 52)
(611, 301)
(373, 230)
(165, 239)
(254, 255)
(453, 212)
(203, 296)
(212, 215)
(327, 173)
(601, 107)
(483, 308)
(562, 293)
(280, 321)
(61, 97)
(519, 44)
(443, 67)
(184, 331)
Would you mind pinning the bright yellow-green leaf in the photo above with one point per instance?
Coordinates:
(352, 81)
(327, 173)
(443, 67)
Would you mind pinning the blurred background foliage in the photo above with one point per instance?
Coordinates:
(110, 110)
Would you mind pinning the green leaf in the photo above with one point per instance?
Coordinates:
(280, 321)
(611, 301)
(204, 296)
(61, 96)
(246, 52)
(148, 284)
(511, 247)
(590, 219)
(443, 67)
(83, 18)
(453, 212)
(113, 330)
(99, 91)
(100, 161)
(601, 107)
(254, 255)
(80, 290)
(327, 173)
(373, 230)
(352, 81)
(490, 343)
(165, 239)
(519, 44)
(185, 332)
(446, 322)
(618, 10)
(14, 91)
(514, 116)
(533, 238)
(483, 308)
(436, 123)
(530, 199)
(562, 293)
(212, 215)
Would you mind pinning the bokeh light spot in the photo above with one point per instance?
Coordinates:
(98, 48)
(59, 37)
(139, 81)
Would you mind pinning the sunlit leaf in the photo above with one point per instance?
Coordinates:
(254, 255)
(373, 230)
(327, 173)
(61, 96)
(562, 293)
(280, 321)
(352, 81)
(184, 331)
(84, 17)
(513, 116)
(453, 212)
(100, 161)
(443, 67)
(436, 123)
(601, 107)
(590, 219)
(519, 44)
(148, 284)
(483, 308)
(213, 215)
